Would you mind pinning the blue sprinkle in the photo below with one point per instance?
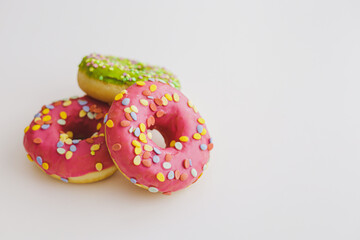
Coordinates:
(156, 159)
(105, 118)
(190, 162)
(171, 175)
(86, 108)
(133, 115)
(50, 106)
(37, 115)
(125, 101)
(82, 102)
(150, 97)
(199, 128)
(60, 144)
(64, 180)
(151, 79)
(73, 148)
(137, 132)
(39, 160)
(203, 147)
(45, 126)
(76, 141)
(133, 180)
(157, 151)
(210, 140)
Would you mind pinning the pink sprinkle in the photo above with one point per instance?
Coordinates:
(95, 65)
(88, 64)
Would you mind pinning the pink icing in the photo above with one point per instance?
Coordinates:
(180, 119)
(43, 144)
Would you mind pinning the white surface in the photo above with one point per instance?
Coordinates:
(277, 82)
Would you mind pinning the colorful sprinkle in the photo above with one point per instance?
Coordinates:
(39, 160)
(153, 107)
(82, 102)
(184, 139)
(63, 115)
(144, 102)
(197, 136)
(45, 166)
(168, 97)
(160, 113)
(73, 148)
(133, 116)
(127, 110)
(45, 126)
(46, 118)
(160, 177)
(157, 151)
(171, 175)
(172, 143)
(156, 159)
(45, 111)
(118, 96)
(137, 150)
(168, 157)
(178, 146)
(137, 132)
(176, 97)
(99, 166)
(190, 104)
(186, 164)
(125, 101)
(146, 155)
(137, 160)
(82, 113)
(177, 174)
(210, 146)
(146, 162)
(203, 131)
(35, 127)
(61, 122)
(183, 177)
(203, 147)
(134, 108)
(133, 180)
(193, 172)
(153, 88)
(61, 150)
(37, 140)
(142, 127)
(64, 180)
(199, 128)
(164, 101)
(201, 120)
(140, 83)
(135, 143)
(124, 123)
(153, 189)
(158, 101)
(68, 154)
(148, 148)
(67, 103)
(110, 123)
(166, 165)
(26, 129)
(95, 147)
(86, 108)
(29, 157)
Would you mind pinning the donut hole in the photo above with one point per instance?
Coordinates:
(158, 138)
(81, 130)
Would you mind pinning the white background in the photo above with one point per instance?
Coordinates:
(276, 81)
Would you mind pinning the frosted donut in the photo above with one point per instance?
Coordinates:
(102, 77)
(154, 105)
(66, 140)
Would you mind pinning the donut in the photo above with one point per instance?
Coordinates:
(154, 105)
(102, 77)
(66, 140)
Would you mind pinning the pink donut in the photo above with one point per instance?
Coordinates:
(66, 140)
(154, 105)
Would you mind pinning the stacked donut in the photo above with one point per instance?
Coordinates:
(86, 139)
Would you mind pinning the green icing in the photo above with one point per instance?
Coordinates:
(119, 71)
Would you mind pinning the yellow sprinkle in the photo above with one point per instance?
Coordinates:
(66, 103)
(137, 160)
(140, 83)
(101, 134)
(37, 119)
(29, 157)
(203, 132)
(45, 166)
(184, 139)
(165, 101)
(26, 129)
(148, 148)
(142, 127)
(92, 153)
(142, 137)
(168, 97)
(134, 108)
(190, 104)
(124, 91)
(197, 136)
(118, 96)
(82, 113)
(99, 166)
(35, 127)
(68, 154)
(137, 150)
(127, 110)
(144, 102)
(153, 88)
(95, 147)
(110, 123)
(70, 134)
(46, 111)
(98, 126)
(149, 134)
(172, 143)
(201, 120)
(135, 143)
(176, 97)
(63, 115)
(68, 141)
(160, 177)
(46, 118)
(195, 109)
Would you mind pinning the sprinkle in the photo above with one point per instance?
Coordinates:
(39, 160)
(68, 154)
(168, 157)
(134, 108)
(89, 140)
(164, 101)
(153, 88)
(82, 102)
(95, 147)
(144, 102)
(184, 139)
(64, 180)
(176, 97)
(137, 132)
(157, 151)
(105, 118)
(142, 127)
(195, 109)
(146, 162)
(194, 172)
(45, 111)
(153, 189)
(125, 101)
(29, 157)
(118, 96)
(186, 163)
(90, 115)
(156, 159)
(86, 108)
(158, 101)
(199, 128)
(46, 118)
(142, 137)
(171, 175)
(98, 126)
(153, 107)
(45, 166)
(197, 136)
(150, 121)
(190, 104)
(124, 123)
(45, 126)
(99, 166)
(178, 145)
(137, 160)
(131, 129)
(177, 174)
(148, 148)
(110, 123)
(67, 103)
(135, 143)
(26, 129)
(183, 177)
(160, 113)
(35, 127)
(140, 83)
(133, 180)
(210, 146)
(127, 110)
(62, 114)
(133, 116)
(172, 143)
(82, 113)
(160, 177)
(37, 140)
(201, 120)
(203, 147)
(166, 165)
(146, 155)
(37, 115)
(210, 140)
(128, 116)
(61, 121)
(168, 97)
(70, 134)
(203, 131)
(73, 148)
(50, 106)
(146, 93)
(137, 150)
(76, 141)
(190, 162)
(205, 166)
